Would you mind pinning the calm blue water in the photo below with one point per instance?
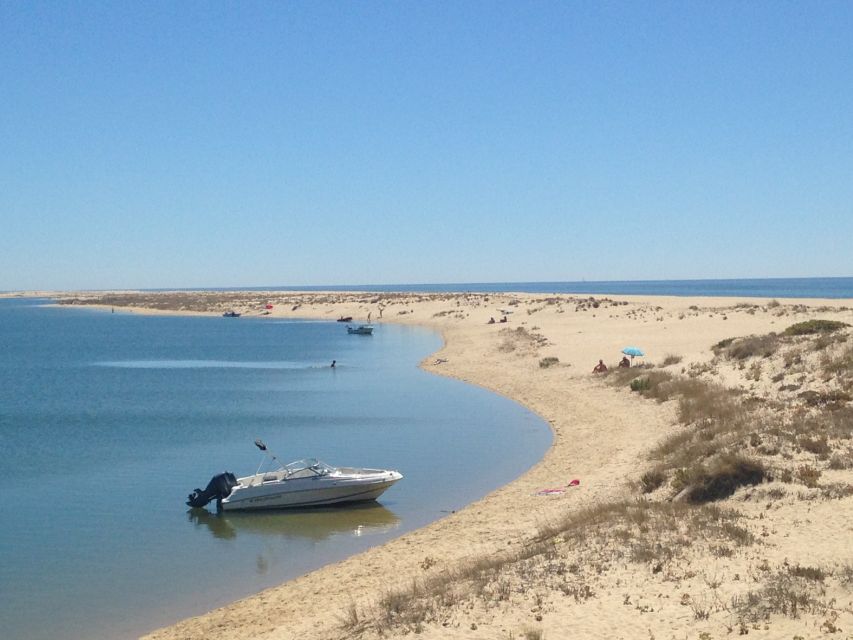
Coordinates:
(749, 288)
(107, 421)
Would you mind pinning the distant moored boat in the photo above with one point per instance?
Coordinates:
(230, 314)
(363, 330)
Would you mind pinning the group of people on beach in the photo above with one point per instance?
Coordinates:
(624, 363)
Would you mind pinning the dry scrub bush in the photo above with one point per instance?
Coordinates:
(810, 573)
(825, 425)
(717, 423)
(832, 399)
(840, 462)
(723, 477)
(703, 402)
(818, 446)
(520, 339)
(840, 367)
(651, 480)
(700, 460)
(720, 421)
(748, 347)
(782, 593)
(567, 556)
(619, 376)
(808, 475)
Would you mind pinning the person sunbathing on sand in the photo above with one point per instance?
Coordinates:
(600, 367)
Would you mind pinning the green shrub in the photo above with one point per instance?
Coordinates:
(814, 326)
(653, 384)
(640, 384)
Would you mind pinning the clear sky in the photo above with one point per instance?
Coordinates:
(182, 144)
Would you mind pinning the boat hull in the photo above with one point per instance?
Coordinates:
(360, 331)
(308, 492)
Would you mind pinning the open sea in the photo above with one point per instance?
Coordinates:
(738, 288)
(108, 421)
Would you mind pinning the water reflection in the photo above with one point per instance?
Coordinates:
(312, 524)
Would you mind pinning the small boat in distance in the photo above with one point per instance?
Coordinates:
(299, 484)
(344, 319)
(231, 314)
(362, 330)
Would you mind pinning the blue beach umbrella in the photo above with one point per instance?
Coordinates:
(633, 351)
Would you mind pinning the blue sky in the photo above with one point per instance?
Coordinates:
(269, 143)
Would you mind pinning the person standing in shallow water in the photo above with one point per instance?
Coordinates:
(333, 363)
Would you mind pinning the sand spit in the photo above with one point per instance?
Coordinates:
(647, 545)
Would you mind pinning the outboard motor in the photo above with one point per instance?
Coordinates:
(219, 487)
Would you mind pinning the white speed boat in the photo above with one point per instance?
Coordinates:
(303, 483)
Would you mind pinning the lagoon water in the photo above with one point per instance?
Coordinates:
(108, 421)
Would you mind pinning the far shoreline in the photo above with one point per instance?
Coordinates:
(788, 288)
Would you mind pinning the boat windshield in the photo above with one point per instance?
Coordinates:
(310, 464)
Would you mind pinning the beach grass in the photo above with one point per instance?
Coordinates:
(724, 445)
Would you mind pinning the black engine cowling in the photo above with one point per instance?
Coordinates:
(219, 487)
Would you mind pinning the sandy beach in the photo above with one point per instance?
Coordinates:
(629, 550)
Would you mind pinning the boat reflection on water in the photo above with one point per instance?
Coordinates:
(313, 524)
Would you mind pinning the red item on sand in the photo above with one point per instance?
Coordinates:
(574, 483)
